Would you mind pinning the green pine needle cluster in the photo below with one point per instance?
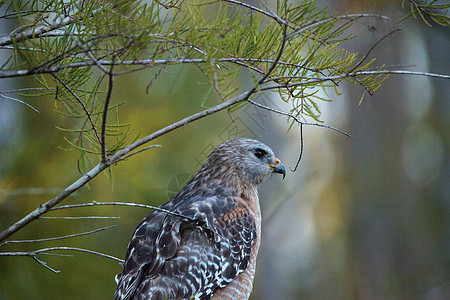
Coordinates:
(72, 48)
(428, 10)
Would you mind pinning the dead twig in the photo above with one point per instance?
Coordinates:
(44, 251)
(58, 237)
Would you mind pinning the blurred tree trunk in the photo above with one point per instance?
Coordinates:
(380, 222)
(397, 208)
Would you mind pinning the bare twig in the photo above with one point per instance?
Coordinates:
(258, 10)
(44, 250)
(79, 218)
(122, 204)
(276, 17)
(33, 254)
(301, 149)
(139, 151)
(295, 118)
(18, 100)
(105, 112)
(373, 47)
(44, 264)
(57, 238)
(22, 48)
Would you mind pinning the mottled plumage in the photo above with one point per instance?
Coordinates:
(207, 248)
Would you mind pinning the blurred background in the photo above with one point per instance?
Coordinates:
(365, 217)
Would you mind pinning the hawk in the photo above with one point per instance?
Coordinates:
(203, 243)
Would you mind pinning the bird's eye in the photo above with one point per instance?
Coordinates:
(259, 153)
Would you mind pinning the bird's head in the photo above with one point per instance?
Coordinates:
(248, 159)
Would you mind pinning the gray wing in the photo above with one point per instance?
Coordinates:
(173, 258)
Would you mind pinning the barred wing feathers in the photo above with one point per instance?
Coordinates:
(170, 257)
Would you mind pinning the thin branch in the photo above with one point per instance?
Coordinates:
(152, 63)
(139, 151)
(276, 17)
(373, 47)
(295, 118)
(258, 10)
(301, 149)
(21, 48)
(33, 254)
(122, 204)
(18, 100)
(79, 218)
(44, 264)
(88, 115)
(89, 54)
(105, 112)
(35, 32)
(57, 238)
(42, 251)
(94, 94)
(357, 73)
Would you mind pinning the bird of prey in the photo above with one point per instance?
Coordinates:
(203, 243)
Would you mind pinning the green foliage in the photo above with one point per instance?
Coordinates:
(74, 47)
(428, 9)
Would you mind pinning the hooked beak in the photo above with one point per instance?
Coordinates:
(278, 167)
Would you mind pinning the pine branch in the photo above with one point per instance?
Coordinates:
(105, 112)
(35, 32)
